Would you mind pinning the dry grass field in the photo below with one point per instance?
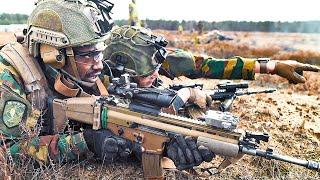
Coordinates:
(291, 115)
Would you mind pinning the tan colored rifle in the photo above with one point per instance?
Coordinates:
(152, 131)
(135, 114)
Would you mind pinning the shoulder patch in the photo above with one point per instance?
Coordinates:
(13, 113)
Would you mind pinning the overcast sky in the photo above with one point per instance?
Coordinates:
(210, 10)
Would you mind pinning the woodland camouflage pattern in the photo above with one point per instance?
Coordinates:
(130, 44)
(17, 125)
(180, 62)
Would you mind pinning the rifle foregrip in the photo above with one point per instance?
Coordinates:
(219, 147)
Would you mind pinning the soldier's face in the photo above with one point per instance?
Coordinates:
(147, 81)
(89, 62)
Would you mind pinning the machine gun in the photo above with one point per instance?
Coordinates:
(152, 128)
(226, 92)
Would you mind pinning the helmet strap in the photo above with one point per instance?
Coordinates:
(72, 60)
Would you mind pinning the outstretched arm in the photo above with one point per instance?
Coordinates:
(184, 63)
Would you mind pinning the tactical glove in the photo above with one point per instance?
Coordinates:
(185, 154)
(200, 98)
(109, 147)
(293, 70)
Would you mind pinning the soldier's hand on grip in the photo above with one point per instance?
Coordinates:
(109, 147)
(293, 70)
(185, 154)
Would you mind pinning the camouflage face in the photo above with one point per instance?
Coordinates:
(135, 50)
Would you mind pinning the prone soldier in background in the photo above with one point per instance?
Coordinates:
(130, 51)
(127, 53)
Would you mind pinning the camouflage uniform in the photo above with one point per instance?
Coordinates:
(59, 24)
(129, 46)
(18, 123)
(184, 63)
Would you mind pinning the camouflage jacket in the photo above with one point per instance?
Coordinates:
(184, 63)
(20, 124)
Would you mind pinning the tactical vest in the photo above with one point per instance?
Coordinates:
(31, 101)
(35, 83)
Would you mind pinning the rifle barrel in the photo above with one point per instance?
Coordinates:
(269, 154)
(240, 93)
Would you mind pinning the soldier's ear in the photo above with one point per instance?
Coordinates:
(52, 56)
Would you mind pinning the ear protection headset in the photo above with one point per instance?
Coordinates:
(52, 56)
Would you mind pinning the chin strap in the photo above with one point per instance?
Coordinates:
(72, 60)
(63, 86)
(63, 89)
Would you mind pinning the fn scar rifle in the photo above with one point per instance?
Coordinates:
(135, 114)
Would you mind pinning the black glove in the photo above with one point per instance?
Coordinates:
(185, 153)
(109, 147)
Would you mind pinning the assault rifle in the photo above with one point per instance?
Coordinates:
(226, 92)
(134, 113)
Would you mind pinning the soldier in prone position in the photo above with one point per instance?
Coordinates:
(62, 58)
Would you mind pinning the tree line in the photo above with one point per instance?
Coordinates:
(264, 26)
(6, 19)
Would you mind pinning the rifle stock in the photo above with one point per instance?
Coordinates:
(152, 131)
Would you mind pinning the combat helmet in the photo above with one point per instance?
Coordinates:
(55, 26)
(135, 50)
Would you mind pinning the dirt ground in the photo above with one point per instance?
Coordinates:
(291, 115)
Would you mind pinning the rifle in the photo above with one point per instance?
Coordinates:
(142, 121)
(226, 92)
